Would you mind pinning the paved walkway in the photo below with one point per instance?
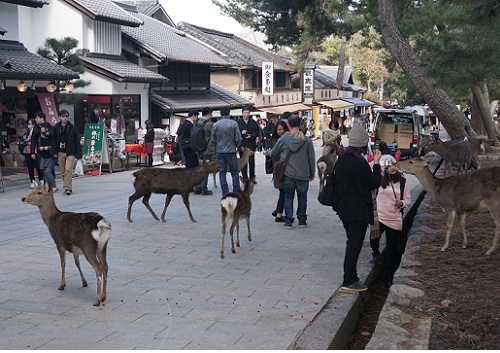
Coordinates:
(168, 288)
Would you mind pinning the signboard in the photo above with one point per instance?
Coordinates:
(93, 142)
(48, 105)
(267, 78)
(308, 84)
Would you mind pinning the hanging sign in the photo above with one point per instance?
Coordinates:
(48, 105)
(267, 78)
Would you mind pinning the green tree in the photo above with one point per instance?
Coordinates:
(62, 52)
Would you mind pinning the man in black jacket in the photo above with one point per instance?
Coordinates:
(68, 149)
(249, 133)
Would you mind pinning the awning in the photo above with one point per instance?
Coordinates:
(358, 102)
(285, 108)
(337, 104)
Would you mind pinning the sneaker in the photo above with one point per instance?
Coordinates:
(356, 287)
(279, 219)
(32, 185)
(274, 213)
(54, 189)
(288, 225)
(207, 192)
(302, 224)
(68, 192)
(197, 191)
(254, 182)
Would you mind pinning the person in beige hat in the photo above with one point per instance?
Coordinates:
(353, 201)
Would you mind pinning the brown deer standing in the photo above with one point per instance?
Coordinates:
(325, 166)
(170, 181)
(474, 192)
(236, 206)
(78, 233)
(458, 154)
(242, 161)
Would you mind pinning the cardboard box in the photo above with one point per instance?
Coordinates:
(405, 128)
(387, 137)
(405, 140)
(387, 127)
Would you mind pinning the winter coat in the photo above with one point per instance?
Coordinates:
(226, 136)
(73, 146)
(253, 129)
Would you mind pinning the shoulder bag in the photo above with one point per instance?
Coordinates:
(326, 196)
(279, 168)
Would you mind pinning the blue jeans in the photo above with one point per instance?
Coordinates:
(224, 160)
(291, 185)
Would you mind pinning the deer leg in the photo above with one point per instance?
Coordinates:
(224, 223)
(496, 218)
(77, 263)
(231, 232)
(238, 234)
(248, 226)
(145, 201)
(101, 256)
(450, 218)
(185, 198)
(62, 256)
(461, 219)
(92, 259)
(167, 202)
(215, 179)
(131, 201)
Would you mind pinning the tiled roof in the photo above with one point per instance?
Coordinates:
(216, 97)
(19, 64)
(239, 51)
(326, 76)
(165, 42)
(119, 68)
(106, 11)
(28, 3)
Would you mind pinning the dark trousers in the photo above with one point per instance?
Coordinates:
(32, 164)
(281, 201)
(394, 249)
(250, 165)
(191, 158)
(356, 232)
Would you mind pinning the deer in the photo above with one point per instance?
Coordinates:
(242, 162)
(236, 205)
(170, 181)
(325, 166)
(78, 233)
(462, 153)
(474, 192)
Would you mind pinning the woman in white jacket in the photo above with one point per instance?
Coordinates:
(390, 204)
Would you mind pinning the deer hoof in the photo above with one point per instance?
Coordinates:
(61, 287)
(97, 302)
(238, 245)
(488, 253)
(84, 284)
(222, 254)
(443, 249)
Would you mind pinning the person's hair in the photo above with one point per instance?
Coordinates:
(247, 108)
(275, 131)
(224, 111)
(384, 149)
(40, 114)
(32, 121)
(387, 178)
(192, 113)
(294, 120)
(148, 123)
(285, 115)
(333, 124)
(205, 111)
(46, 125)
(63, 112)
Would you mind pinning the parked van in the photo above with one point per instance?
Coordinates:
(400, 128)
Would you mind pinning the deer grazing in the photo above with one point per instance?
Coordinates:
(242, 161)
(325, 166)
(236, 206)
(170, 181)
(474, 192)
(78, 233)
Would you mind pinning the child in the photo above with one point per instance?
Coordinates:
(46, 150)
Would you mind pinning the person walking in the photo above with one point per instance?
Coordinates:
(46, 150)
(178, 145)
(149, 138)
(392, 197)
(68, 149)
(354, 182)
(299, 171)
(35, 139)
(226, 138)
(279, 130)
(31, 158)
(184, 135)
(249, 133)
(206, 122)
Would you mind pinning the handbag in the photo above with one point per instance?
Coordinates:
(269, 165)
(279, 168)
(327, 194)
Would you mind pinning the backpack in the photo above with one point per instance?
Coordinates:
(197, 139)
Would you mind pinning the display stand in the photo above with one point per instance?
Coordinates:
(114, 159)
(158, 149)
(94, 140)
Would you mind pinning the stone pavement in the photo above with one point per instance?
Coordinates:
(167, 286)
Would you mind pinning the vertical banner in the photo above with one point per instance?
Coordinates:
(93, 142)
(267, 78)
(308, 84)
(49, 108)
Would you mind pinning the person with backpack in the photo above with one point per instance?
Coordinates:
(392, 197)
(185, 140)
(200, 141)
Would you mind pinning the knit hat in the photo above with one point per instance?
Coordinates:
(387, 160)
(358, 137)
